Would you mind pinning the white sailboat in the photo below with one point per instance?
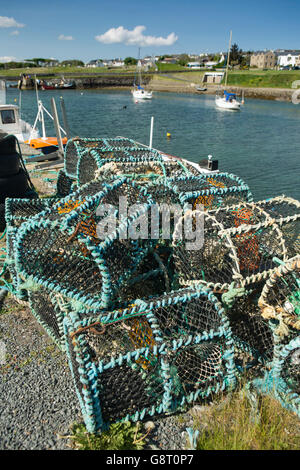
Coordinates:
(227, 100)
(138, 91)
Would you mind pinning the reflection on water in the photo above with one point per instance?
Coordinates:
(260, 143)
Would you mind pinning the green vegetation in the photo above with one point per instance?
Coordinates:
(120, 436)
(233, 425)
(264, 79)
(130, 61)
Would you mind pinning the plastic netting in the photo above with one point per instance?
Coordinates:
(280, 298)
(18, 211)
(76, 146)
(240, 244)
(49, 310)
(63, 249)
(139, 164)
(64, 185)
(165, 285)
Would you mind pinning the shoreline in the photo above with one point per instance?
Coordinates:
(172, 85)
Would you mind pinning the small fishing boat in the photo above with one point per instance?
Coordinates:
(65, 84)
(11, 123)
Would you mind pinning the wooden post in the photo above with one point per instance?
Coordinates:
(57, 127)
(64, 115)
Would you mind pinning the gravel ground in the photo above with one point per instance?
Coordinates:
(38, 402)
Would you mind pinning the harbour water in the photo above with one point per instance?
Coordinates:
(260, 143)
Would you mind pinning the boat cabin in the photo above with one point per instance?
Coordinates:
(9, 118)
(229, 96)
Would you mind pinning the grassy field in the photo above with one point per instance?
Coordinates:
(243, 78)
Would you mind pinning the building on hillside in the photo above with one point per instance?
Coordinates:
(193, 65)
(288, 58)
(263, 60)
(95, 63)
(213, 77)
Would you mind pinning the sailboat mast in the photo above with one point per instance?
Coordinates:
(228, 57)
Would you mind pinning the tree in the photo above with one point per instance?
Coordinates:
(73, 63)
(130, 61)
(183, 59)
(235, 55)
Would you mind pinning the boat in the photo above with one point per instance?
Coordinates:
(46, 86)
(10, 119)
(199, 88)
(138, 91)
(43, 143)
(228, 100)
(65, 84)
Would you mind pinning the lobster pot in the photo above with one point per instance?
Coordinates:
(252, 335)
(280, 305)
(64, 185)
(91, 162)
(18, 211)
(282, 210)
(49, 310)
(211, 191)
(207, 259)
(75, 147)
(149, 359)
(286, 211)
(280, 297)
(286, 374)
(244, 253)
(63, 250)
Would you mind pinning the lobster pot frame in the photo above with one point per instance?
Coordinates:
(63, 252)
(252, 334)
(235, 249)
(280, 297)
(76, 146)
(285, 211)
(91, 162)
(283, 380)
(18, 211)
(286, 374)
(49, 309)
(149, 359)
(64, 185)
(211, 190)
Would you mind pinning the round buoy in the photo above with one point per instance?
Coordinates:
(168, 135)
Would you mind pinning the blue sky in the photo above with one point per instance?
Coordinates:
(109, 28)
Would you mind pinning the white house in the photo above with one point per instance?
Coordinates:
(94, 63)
(288, 59)
(193, 65)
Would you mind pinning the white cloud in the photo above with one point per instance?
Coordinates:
(14, 33)
(62, 37)
(6, 22)
(7, 59)
(134, 37)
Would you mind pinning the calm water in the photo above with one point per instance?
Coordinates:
(261, 143)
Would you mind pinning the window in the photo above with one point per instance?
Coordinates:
(8, 116)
